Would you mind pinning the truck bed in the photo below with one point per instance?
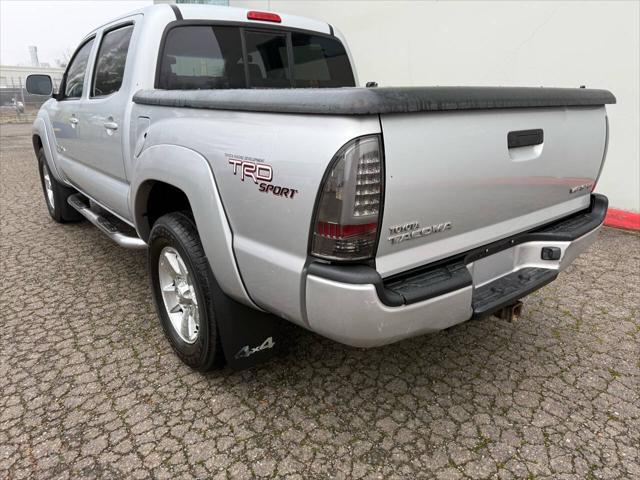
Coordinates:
(460, 169)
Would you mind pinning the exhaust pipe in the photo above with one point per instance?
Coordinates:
(510, 313)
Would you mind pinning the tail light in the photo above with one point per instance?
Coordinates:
(346, 221)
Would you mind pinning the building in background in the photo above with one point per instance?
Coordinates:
(528, 43)
(15, 102)
(15, 76)
(12, 76)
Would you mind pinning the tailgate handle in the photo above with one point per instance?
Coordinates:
(525, 138)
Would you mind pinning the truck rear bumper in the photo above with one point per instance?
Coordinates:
(354, 306)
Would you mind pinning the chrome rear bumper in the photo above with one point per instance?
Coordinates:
(350, 305)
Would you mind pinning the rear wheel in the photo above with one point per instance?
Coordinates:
(56, 194)
(182, 282)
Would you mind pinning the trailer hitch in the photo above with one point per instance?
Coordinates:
(510, 313)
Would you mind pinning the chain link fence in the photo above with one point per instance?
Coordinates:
(16, 105)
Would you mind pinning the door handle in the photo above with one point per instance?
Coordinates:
(525, 138)
(111, 125)
(73, 121)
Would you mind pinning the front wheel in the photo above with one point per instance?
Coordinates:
(181, 282)
(56, 194)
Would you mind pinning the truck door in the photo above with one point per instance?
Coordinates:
(103, 118)
(65, 112)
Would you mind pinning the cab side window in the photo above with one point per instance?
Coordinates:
(77, 69)
(110, 61)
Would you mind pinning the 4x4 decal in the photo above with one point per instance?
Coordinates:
(247, 351)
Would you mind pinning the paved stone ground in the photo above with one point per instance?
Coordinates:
(90, 389)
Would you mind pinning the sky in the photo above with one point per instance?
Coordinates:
(55, 27)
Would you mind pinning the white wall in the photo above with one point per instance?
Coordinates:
(562, 44)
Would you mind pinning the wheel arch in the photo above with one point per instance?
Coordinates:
(40, 140)
(37, 142)
(187, 177)
(155, 198)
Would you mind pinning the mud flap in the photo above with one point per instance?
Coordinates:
(248, 337)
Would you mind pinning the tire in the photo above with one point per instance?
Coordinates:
(194, 338)
(56, 194)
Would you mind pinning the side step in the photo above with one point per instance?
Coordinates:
(118, 231)
(507, 290)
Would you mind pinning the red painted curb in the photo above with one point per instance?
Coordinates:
(622, 219)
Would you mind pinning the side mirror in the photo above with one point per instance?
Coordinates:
(39, 85)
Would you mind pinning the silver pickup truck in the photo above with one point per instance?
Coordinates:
(236, 146)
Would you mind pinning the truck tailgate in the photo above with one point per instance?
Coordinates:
(456, 180)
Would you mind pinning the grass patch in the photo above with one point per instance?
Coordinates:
(483, 443)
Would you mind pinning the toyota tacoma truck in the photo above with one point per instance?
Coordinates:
(237, 148)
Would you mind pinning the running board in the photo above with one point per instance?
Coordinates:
(107, 223)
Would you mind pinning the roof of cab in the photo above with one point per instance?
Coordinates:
(206, 12)
(227, 14)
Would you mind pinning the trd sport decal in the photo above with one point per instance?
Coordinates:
(261, 173)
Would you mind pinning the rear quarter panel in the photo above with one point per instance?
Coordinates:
(270, 232)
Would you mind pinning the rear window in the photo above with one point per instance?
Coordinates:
(199, 57)
(215, 57)
(320, 62)
(267, 58)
